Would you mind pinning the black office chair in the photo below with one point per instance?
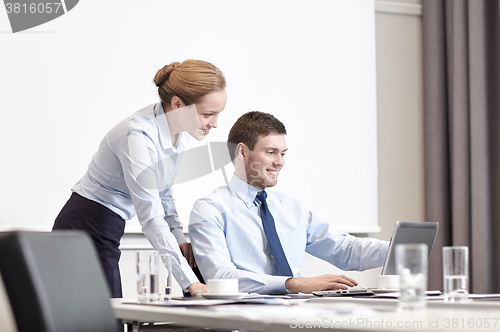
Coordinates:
(55, 282)
(7, 321)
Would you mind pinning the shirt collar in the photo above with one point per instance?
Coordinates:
(165, 137)
(243, 190)
(164, 130)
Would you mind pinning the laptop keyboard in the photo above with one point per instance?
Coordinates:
(344, 292)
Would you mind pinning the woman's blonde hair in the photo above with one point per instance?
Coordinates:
(189, 80)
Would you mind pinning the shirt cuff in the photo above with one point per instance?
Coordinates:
(186, 279)
(276, 285)
(384, 251)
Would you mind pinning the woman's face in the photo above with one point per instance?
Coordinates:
(198, 120)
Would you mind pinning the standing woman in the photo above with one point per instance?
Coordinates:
(134, 168)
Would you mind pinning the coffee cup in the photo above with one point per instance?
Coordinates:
(222, 286)
(388, 281)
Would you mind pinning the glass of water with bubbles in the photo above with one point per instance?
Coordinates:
(411, 265)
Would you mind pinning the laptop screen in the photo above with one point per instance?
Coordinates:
(409, 232)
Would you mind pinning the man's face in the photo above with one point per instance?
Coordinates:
(263, 164)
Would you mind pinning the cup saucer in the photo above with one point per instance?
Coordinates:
(236, 296)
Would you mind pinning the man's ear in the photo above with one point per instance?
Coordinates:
(241, 150)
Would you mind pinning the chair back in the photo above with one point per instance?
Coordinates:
(7, 322)
(55, 282)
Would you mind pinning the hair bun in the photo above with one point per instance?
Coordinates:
(163, 74)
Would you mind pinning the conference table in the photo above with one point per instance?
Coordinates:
(334, 313)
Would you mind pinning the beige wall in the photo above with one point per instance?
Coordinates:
(400, 118)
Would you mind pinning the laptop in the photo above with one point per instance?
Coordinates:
(404, 232)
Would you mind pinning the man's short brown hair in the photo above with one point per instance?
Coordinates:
(249, 127)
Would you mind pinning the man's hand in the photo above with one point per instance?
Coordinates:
(187, 252)
(197, 289)
(320, 283)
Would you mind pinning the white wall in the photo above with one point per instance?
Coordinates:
(66, 83)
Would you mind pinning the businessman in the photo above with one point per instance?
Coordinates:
(260, 236)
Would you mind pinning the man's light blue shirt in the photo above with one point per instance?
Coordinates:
(132, 173)
(228, 239)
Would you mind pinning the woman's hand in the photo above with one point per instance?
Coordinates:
(187, 252)
(197, 289)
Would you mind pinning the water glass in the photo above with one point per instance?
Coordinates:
(147, 263)
(165, 277)
(411, 265)
(456, 273)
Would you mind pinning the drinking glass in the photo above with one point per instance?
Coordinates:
(165, 277)
(456, 273)
(411, 265)
(147, 263)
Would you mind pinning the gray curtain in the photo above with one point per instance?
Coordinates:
(461, 41)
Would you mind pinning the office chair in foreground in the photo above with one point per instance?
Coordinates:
(55, 283)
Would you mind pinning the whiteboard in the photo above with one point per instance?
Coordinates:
(65, 83)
